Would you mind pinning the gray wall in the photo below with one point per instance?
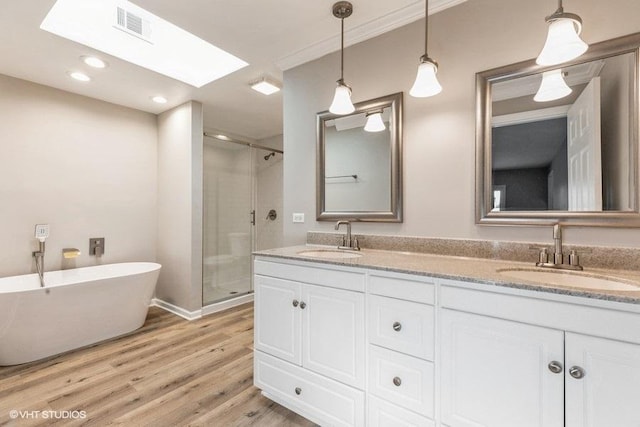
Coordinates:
(439, 132)
(180, 181)
(85, 167)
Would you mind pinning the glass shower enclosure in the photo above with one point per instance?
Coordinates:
(229, 223)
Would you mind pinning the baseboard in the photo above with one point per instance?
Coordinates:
(223, 305)
(179, 311)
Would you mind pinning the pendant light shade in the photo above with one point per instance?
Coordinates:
(552, 87)
(342, 98)
(374, 122)
(563, 38)
(426, 83)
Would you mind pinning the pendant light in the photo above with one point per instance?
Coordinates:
(563, 39)
(552, 87)
(426, 83)
(342, 99)
(374, 122)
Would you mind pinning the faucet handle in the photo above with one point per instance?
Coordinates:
(543, 256)
(355, 245)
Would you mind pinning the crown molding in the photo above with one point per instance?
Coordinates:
(365, 31)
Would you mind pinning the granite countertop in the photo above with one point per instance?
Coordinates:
(476, 270)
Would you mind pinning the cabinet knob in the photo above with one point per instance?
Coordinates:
(397, 381)
(295, 303)
(397, 326)
(555, 367)
(577, 372)
(298, 391)
(303, 305)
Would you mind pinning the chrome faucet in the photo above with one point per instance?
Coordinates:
(347, 241)
(558, 254)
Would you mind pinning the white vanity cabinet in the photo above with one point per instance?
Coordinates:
(346, 346)
(310, 340)
(513, 360)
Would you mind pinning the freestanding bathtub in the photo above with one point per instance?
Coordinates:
(75, 308)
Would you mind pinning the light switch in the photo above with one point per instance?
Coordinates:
(298, 217)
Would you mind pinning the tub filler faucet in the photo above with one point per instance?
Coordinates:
(42, 232)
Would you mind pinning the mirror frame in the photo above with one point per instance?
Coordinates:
(484, 216)
(394, 101)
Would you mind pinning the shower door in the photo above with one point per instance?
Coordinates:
(228, 220)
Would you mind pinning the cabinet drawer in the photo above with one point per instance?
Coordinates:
(401, 325)
(384, 414)
(325, 275)
(401, 379)
(402, 286)
(322, 400)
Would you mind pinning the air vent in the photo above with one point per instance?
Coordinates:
(133, 24)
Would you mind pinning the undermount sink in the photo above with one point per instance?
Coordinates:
(570, 278)
(329, 253)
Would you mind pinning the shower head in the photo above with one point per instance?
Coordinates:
(269, 155)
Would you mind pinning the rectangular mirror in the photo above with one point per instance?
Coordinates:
(359, 171)
(560, 144)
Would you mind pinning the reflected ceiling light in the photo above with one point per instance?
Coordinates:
(159, 99)
(223, 137)
(552, 87)
(93, 61)
(374, 122)
(81, 77)
(342, 99)
(426, 83)
(563, 39)
(265, 86)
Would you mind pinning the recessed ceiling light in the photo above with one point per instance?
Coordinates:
(81, 77)
(93, 61)
(129, 32)
(265, 86)
(159, 99)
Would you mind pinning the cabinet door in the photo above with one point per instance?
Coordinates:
(333, 333)
(609, 392)
(278, 318)
(495, 373)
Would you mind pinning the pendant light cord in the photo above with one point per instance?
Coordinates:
(426, 28)
(342, 49)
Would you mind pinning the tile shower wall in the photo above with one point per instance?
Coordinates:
(439, 132)
(269, 195)
(86, 167)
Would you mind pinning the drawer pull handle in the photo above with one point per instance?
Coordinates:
(397, 326)
(577, 372)
(303, 305)
(295, 303)
(397, 381)
(555, 367)
(298, 391)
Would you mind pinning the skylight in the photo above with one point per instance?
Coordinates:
(124, 30)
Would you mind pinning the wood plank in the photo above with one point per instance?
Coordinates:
(170, 372)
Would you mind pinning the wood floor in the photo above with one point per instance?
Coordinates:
(171, 372)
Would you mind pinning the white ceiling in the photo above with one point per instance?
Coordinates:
(271, 35)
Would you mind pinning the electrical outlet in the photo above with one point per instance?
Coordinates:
(298, 217)
(42, 231)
